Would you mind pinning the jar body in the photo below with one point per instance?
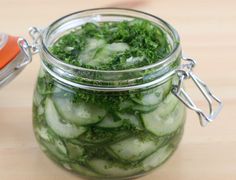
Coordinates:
(99, 135)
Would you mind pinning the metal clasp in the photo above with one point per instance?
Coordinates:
(27, 49)
(185, 72)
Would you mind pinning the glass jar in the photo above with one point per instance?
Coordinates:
(110, 124)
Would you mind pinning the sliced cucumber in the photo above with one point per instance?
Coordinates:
(177, 137)
(40, 110)
(168, 105)
(54, 150)
(38, 98)
(160, 126)
(133, 149)
(83, 170)
(157, 158)
(103, 56)
(66, 165)
(109, 168)
(65, 130)
(60, 146)
(98, 52)
(125, 105)
(80, 113)
(155, 97)
(131, 119)
(41, 72)
(117, 47)
(109, 122)
(47, 136)
(167, 86)
(144, 109)
(90, 50)
(148, 99)
(42, 132)
(131, 61)
(74, 150)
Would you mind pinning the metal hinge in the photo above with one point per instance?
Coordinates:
(184, 73)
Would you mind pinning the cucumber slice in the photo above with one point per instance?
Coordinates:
(175, 140)
(98, 52)
(117, 47)
(155, 97)
(65, 130)
(157, 158)
(80, 113)
(125, 105)
(66, 166)
(149, 99)
(131, 61)
(41, 73)
(40, 110)
(90, 50)
(38, 98)
(109, 122)
(74, 150)
(83, 170)
(144, 109)
(42, 132)
(109, 168)
(133, 149)
(48, 137)
(60, 146)
(131, 119)
(57, 150)
(168, 105)
(103, 56)
(167, 86)
(160, 126)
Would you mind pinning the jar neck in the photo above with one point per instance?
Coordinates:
(108, 80)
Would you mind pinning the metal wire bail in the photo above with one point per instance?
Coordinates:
(185, 72)
(27, 49)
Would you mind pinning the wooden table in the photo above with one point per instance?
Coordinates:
(208, 33)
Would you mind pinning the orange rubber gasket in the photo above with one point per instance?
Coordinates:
(9, 51)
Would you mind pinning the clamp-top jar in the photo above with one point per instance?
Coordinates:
(111, 124)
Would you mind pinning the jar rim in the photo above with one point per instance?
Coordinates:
(108, 80)
(174, 50)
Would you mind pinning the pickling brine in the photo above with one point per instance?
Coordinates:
(106, 135)
(117, 133)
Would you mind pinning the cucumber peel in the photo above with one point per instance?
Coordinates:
(80, 113)
(157, 158)
(161, 126)
(53, 120)
(133, 149)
